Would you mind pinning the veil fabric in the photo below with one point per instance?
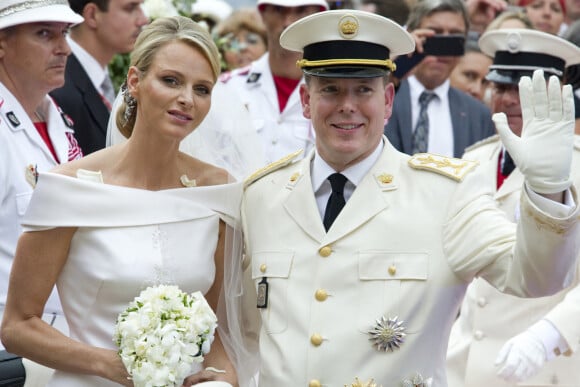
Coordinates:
(225, 138)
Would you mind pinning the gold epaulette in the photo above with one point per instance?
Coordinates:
(451, 167)
(271, 167)
(487, 140)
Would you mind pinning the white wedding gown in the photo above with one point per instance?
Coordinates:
(127, 239)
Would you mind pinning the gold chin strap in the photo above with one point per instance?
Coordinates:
(337, 62)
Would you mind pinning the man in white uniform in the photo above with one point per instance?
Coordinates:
(270, 86)
(367, 291)
(35, 135)
(500, 340)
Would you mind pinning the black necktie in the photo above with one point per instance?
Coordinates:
(507, 164)
(336, 200)
(421, 133)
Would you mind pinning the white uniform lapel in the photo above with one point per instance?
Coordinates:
(301, 203)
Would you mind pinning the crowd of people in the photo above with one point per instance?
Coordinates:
(367, 192)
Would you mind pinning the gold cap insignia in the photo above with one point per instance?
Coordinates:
(348, 26)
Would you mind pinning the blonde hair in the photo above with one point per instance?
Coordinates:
(509, 15)
(156, 35)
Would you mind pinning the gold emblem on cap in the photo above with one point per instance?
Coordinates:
(348, 26)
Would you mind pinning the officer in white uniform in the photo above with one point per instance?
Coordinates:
(24, 102)
(281, 131)
(371, 296)
(500, 340)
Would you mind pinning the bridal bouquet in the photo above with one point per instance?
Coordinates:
(162, 333)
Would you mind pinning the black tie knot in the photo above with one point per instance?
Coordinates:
(337, 182)
(426, 97)
(508, 164)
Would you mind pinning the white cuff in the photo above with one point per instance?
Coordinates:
(555, 209)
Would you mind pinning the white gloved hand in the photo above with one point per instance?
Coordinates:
(543, 153)
(521, 357)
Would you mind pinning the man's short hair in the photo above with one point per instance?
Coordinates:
(425, 8)
(79, 5)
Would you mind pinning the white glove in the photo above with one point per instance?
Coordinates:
(543, 153)
(521, 357)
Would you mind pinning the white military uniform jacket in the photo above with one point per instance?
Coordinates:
(489, 318)
(406, 245)
(281, 133)
(22, 152)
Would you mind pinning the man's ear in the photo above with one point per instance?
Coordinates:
(90, 14)
(389, 98)
(3, 43)
(305, 100)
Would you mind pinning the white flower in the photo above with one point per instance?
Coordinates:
(159, 8)
(162, 333)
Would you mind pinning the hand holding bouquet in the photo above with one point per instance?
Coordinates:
(162, 333)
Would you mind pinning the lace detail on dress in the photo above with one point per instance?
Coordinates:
(162, 268)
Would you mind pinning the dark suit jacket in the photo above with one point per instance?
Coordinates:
(470, 118)
(79, 99)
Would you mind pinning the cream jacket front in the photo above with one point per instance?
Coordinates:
(404, 248)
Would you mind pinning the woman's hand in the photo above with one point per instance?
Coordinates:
(209, 374)
(114, 369)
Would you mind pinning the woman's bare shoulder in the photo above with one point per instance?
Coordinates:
(207, 174)
(96, 161)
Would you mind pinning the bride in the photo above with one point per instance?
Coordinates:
(136, 214)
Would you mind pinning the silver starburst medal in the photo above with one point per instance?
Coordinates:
(388, 334)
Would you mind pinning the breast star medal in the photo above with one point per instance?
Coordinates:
(417, 381)
(388, 334)
(358, 383)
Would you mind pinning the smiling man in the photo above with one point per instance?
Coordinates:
(358, 256)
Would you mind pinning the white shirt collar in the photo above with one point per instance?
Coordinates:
(92, 67)
(416, 88)
(355, 173)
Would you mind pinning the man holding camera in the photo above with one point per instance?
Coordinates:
(457, 120)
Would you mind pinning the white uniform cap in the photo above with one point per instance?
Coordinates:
(295, 3)
(347, 43)
(518, 52)
(15, 12)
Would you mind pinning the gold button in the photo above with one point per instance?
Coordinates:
(294, 177)
(316, 339)
(321, 295)
(325, 251)
(392, 270)
(314, 383)
(263, 267)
